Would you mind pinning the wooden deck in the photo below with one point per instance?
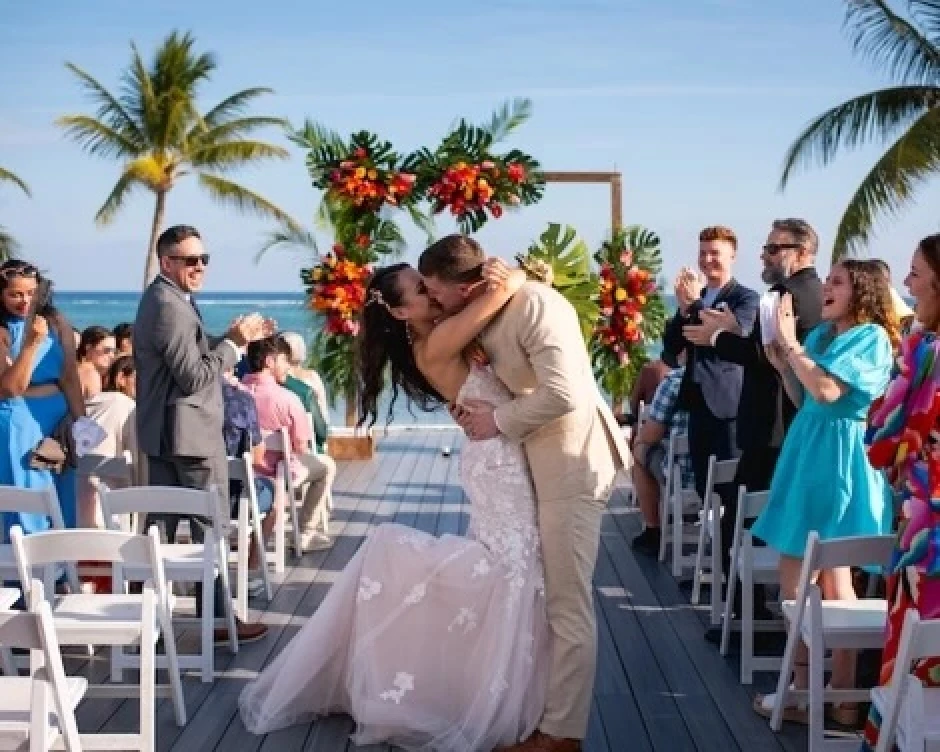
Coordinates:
(660, 686)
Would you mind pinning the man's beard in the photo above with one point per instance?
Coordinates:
(773, 275)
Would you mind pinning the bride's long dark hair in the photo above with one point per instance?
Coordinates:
(384, 345)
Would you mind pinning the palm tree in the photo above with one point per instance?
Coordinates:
(906, 116)
(154, 127)
(8, 244)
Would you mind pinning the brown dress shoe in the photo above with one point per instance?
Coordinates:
(245, 632)
(540, 742)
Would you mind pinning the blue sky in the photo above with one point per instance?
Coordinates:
(695, 101)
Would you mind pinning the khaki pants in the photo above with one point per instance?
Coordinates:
(570, 532)
(318, 471)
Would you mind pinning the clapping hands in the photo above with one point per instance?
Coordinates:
(688, 287)
(250, 328)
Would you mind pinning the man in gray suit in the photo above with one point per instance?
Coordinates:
(179, 388)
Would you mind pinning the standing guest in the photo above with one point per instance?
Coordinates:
(298, 360)
(96, 350)
(711, 386)
(823, 481)
(124, 338)
(279, 408)
(765, 411)
(179, 387)
(305, 394)
(902, 431)
(39, 387)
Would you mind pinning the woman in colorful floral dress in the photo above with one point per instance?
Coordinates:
(904, 428)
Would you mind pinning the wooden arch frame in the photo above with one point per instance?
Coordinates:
(611, 178)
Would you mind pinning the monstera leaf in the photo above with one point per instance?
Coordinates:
(569, 260)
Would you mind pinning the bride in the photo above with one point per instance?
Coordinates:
(436, 644)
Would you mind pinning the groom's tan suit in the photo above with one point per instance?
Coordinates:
(574, 448)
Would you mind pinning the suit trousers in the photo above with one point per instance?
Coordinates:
(318, 471)
(709, 436)
(198, 473)
(570, 534)
(755, 470)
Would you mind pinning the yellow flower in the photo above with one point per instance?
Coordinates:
(621, 294)
(360, 172)
(373, 174)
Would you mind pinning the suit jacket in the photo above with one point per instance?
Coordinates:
(572, 441)
(179, 371)
(757, 411)
(718, 380)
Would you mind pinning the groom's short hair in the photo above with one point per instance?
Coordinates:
(454, 258)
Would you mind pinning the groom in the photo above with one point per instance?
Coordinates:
(574, 450)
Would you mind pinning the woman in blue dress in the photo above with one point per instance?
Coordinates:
(38, 386)
(823, 480)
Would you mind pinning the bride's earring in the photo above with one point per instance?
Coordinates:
(408, 335)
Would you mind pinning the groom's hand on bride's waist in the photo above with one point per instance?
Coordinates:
(476, 418)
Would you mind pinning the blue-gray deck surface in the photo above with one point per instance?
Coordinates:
(660, 686)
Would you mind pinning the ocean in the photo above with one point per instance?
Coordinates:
(109, 309)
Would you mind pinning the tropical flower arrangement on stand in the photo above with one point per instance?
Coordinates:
(632, 312)
(336, 289)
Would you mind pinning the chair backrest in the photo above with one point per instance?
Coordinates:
(159, 500)
(241, 469)
(106, 468)
(34, 631)
(278, 441)
(857, 551)
(42, 501)
(751, 503)
(719, 472)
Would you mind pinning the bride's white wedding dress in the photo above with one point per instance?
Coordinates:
(429, 643)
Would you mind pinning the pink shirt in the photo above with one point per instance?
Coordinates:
(277, 408)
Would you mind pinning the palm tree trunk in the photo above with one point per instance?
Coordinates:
(153, 265)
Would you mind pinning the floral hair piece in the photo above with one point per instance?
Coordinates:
(375, 296)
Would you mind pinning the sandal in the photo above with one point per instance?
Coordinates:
(796, 711)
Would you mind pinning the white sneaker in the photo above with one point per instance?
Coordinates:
(315, 541)
(796, 711)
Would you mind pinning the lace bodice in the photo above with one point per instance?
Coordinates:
(495, 475)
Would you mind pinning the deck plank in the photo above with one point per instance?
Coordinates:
(659, 685)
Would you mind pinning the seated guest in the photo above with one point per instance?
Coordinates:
(651, 376)
(902, 431)
(114, 410)
(298, 360)
(242, 433)
(279, 408)
(666, 419)
(95, 355)
(307, 396)
(823, 480)
(123, 338)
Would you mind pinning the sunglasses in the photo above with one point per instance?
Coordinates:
(19, 270)
(192, 260)
(772, 249)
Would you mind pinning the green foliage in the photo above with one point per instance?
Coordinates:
(905, 117)
(8, 244)
(334, 357)
(570, 262)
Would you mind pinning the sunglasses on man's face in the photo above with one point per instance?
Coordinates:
(20, 270)
(192, 260)
(772, 249)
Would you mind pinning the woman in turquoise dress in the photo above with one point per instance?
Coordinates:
(823, 480)
(38, 386)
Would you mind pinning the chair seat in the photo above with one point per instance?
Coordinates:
(181, 561)
(8, 596)
(85, 619)
(880, 697)
(16, 701)
(857, 624)
(765, 565)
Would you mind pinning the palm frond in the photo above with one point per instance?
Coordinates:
(927, 15)
(139, 96)
(8, 245)
(314, 135)
(891, 41)
(110, 108)
(231, 154)
(245, 200)
(890, 184)
(209, 134)
(115, 200)
(285, 236)
(233, 105)
(9, 177)
(96, 137)
(507, 118)
(876, 116)
(423, 221)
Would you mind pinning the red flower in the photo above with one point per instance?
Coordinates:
(516, 172)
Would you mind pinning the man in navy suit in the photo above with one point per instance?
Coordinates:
(711, 387)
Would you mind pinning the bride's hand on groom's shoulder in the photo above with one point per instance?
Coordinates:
(496, 272)
(476, 418)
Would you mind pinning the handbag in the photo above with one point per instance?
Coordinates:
(48, 454)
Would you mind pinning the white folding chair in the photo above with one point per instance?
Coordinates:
(248, 521)
(284, 489)
(323, 514)
(41, 501)
(38, 709)
(111, 619)
(750, 565)
(910, 713)
(675, 501)
(832, 624)
(183, 562)
(643, 414)
(8, 597)
(719, 473)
